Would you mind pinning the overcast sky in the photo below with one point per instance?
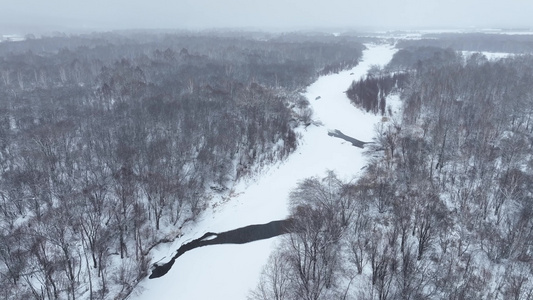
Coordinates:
(265, 14)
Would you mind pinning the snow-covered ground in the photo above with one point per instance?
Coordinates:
(11, 37)
(231, 271)
(488, 55)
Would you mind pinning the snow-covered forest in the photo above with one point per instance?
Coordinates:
(110, 143)
(444, 209)
(117, 148)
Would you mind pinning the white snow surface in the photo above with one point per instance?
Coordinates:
(231, 271)
(489, 55)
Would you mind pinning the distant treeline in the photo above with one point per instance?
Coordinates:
(413, 58)
(508, 43)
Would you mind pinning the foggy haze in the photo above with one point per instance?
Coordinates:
(30, 15)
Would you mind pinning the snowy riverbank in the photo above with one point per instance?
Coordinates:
(230, 271)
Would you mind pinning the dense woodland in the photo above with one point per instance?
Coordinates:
(491, 42)
(109, 143)
(445, 208)
(370, 93)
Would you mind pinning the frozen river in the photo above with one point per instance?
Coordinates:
(231, 271)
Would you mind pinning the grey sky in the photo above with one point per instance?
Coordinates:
(272, 14)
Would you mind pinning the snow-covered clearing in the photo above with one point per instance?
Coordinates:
(231, 271)
(488, 55)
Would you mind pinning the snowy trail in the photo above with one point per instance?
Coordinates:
(231, 271)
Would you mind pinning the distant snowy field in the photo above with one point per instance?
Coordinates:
(488, 55)
(11, 38)
(231, 271)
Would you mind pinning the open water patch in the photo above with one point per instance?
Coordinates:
(355, 142)
(241, 235)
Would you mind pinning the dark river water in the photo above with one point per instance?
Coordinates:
(355, 142)
(237, 236)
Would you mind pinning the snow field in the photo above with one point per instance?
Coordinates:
(488, 55)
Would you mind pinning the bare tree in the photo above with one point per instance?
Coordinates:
(276, 280)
